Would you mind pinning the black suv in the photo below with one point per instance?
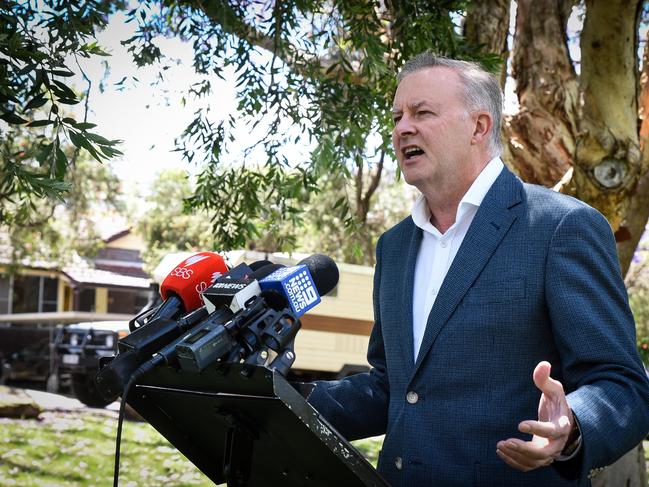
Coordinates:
(79, 347)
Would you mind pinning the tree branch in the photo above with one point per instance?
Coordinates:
(226, 16)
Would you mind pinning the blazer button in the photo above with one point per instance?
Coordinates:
(398, 462)
(412, 397)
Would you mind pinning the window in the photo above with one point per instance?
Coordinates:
(127, 301)
(26, 290)
(142, 298)
(5, 293)
(87, 299)
(27, 294)
(50, 294)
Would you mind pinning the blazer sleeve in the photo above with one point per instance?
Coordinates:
(594, 330)
(357, 406)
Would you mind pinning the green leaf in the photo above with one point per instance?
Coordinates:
(68, 101)
(69, 120)
(44, 153)
(12, 118)
(80, 140)
(76, 139)
(65, 89)
(40, 123)
(85, 125)
(36, 102)
(61, 164)
(26, 69)
(60, 72)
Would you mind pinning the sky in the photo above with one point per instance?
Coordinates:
(144, 118)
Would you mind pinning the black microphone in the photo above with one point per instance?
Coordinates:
(221, 304)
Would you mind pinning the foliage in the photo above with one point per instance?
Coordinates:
(370, 448)
(637, 282)
(315, 83)
(65, 226)
(326, 216)
(313, 77)
(166, 226)
(39, 41)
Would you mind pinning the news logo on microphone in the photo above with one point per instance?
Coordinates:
(296, 284)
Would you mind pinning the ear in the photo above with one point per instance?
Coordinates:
(483, 127)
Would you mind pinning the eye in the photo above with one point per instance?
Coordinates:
(424, 113)
(396, 119)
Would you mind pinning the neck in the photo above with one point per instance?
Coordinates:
(444, 199)
(442, 217)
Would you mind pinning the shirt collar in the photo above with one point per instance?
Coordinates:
(474, 196)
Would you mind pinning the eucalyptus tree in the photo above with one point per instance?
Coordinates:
(40, 43)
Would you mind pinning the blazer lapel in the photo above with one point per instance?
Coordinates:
(410, 243)
(489, 226)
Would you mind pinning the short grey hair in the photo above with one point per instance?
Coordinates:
(481, 88)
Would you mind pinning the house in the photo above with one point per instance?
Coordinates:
(332, 341)
(41, 295)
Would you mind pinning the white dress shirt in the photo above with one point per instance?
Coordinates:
(438, 250)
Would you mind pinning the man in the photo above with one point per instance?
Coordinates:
(488, 283)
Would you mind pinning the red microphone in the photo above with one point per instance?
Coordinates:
(191, 277)
(181, 289)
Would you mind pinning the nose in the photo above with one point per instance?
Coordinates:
(404, 126)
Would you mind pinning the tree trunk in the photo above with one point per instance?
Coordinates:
(541, 136)
(600, 143)
(487, 24)
(607, 162)
(628, 471)
(636, 217)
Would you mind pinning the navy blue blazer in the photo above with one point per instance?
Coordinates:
(536, 278)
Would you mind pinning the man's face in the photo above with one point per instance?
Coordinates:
(432, 131)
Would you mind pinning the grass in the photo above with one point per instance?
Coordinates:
(77, 449)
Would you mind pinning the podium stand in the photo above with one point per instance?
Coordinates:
(247, 426)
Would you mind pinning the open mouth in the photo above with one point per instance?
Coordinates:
(412, 151)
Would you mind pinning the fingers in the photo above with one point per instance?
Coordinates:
(542, 380)
(527, 455)
(546, 429)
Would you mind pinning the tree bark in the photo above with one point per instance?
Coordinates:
(487, 24)
(628, 471)
(607, 162)
(637, 215)
(541, 136)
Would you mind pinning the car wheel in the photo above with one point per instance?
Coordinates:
(85, 390)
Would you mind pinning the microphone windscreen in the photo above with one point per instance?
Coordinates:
(259, 264)
(324, 272)
(191, 277)
(266, 270)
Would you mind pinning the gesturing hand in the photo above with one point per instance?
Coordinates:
(550, 432)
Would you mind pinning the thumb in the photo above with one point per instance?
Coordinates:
(542, 380)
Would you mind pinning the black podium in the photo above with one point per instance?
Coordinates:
(247, 426)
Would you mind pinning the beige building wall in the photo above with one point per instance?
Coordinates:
(330, 352)
(354, 296)
(101, 300)
(129, 242)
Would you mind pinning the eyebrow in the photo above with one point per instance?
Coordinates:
(412, 106)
